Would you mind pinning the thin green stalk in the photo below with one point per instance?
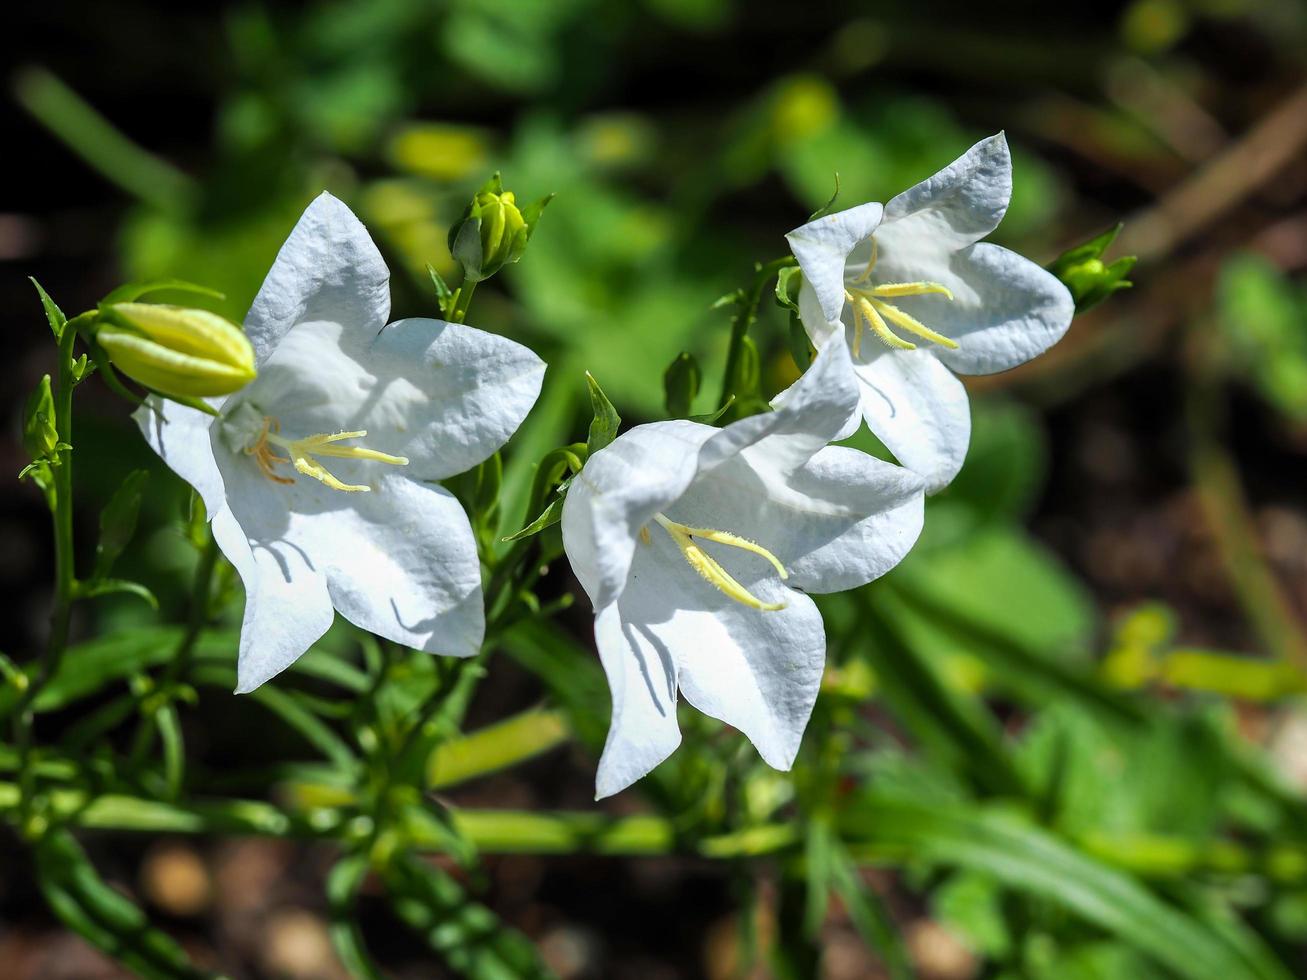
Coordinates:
(746, 315)
(462, 300)
(65, 580)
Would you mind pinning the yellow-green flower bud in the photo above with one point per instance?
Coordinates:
(177, 351)
(493, 231)
(40, 438)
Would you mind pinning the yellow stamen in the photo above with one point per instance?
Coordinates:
(871, 310)
(865, 312)
(302, 453)
(710, 570)
(912, 324)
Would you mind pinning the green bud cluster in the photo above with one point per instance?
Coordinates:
(493, 231)
(1090, 279)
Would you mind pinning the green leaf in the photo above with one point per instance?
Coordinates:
(788, 282)
(40, 433)
(102, 915)
(495, 747)
(681, 383)
(343, 883)
(1025, 858)
(444, 295)
(604, 426)
(132, 291)
(110, 586)
(829, 206)
(548, 517)
(53, 315)
(465, 934)
(118, 521)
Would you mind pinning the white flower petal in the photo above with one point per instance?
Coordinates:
(1005, 310)
(401, 562)
(618, 491)
(812, 412)
(960, 205)
(287, 607)
(822, 248)
(454, 394)
(328, 269)
(840, 521)
(919, 409)
(642, 678)
(180, 436)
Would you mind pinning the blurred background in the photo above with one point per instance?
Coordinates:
(1133, 511)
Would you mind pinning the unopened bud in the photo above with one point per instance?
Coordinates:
(40, 437)
(177, 351)
(493, 230)
(1089, 279)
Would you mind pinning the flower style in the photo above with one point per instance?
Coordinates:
(916, 297)
(320, 476)
(697, 547)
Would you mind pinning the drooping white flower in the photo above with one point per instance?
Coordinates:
(320, 476)
(697, 547)
(917, 296)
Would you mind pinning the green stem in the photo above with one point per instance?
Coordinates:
(746, 315)
(462, 300)
(65, 581)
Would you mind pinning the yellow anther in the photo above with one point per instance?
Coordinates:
(710, 570)
(302, 453)
(870, 310)
(865, 314)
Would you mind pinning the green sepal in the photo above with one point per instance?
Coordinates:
(444, 295)
(53, 314)
(606, 421)
(1084, 273)
(118, 521)
(132, 291)
(681, 382)
(548, 517)
(829, 206)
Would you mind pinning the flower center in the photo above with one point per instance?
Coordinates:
(707, 566)
(871, 311)
(303, 453)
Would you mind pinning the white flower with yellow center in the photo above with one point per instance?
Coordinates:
(916, 297)
(320, 476)
(698, 546)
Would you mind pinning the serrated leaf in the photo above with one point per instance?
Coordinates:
(132, 291)
(53, 315)
(606, 421)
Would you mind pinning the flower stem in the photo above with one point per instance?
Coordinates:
(746, 315)
(65, 581)
(462, 300)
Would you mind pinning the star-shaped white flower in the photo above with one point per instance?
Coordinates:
(917, 296)
(698, 546)
(320, 476)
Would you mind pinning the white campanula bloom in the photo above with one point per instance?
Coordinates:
(917, 296)
(698, 546)
(320, 477)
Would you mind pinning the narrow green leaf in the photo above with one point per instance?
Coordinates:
(53, 315)
(118, 521)
(548, 517)
(343, 884)
(132, 291)
(444, 295)
(109, 586)
(604, 426)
